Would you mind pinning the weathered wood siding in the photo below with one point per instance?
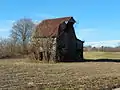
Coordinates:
(67, 43)
(68, 46)
(71, 42)
(46, 46)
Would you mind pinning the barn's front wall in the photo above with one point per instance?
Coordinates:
(46, 47)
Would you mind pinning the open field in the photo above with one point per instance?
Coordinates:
(23, 75)
(102, 55)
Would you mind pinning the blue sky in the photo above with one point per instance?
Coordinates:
(98, 21)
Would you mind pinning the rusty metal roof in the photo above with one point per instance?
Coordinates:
(50, 27)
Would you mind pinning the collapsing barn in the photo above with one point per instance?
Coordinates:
(55, 39)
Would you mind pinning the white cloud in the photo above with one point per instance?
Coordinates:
(36, 21)
(9, 21)
(89, 35)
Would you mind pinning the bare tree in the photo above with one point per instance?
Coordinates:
(21, 32)
(6, 48)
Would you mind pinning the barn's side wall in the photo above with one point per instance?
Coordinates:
(71, 42)
(66, 43)
(67, 47)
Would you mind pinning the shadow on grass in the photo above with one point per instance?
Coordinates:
(95, 60)
(101, 60)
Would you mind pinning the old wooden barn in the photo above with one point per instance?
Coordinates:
(55, 39)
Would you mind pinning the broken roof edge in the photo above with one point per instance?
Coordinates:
(80, 40)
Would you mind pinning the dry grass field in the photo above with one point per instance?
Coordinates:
(102, 55)
(22, 74)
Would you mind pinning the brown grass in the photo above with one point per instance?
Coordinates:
(20, 75)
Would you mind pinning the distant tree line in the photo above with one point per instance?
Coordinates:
(102, 49)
